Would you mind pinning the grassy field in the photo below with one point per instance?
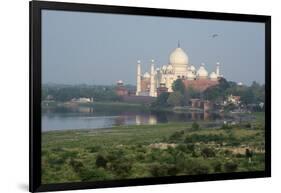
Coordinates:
(125, 152)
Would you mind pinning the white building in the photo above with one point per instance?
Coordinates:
(177, 67)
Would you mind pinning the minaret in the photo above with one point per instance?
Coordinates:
(138, 78)
(218, 69)
(152, 91)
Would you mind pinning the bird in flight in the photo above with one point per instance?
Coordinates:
(215, 35)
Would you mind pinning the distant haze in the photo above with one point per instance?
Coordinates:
(95, 48)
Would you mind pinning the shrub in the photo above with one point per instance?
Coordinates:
(248, 125)
(101, 161)
(202, 169)
(122, 167)
(204, 138)
(208, 152)
(230, 166)
(69, 154)
(196, 166)
(190, 147)
(227, 152)
(94, 149)
(186, 148)
(195, 126)
(176, 136)
(76, 165)
(93, 174)
(159, 170)
(226, 127)
(115, 154)
(55, 160)
(217, 166)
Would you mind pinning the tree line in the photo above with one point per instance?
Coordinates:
(66, 93)
(253, 94)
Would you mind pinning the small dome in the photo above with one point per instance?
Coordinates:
(170, 67)
(164, 67)
(146, 75)
(120, 82)
(178, 57)
(202, 72)
(192, 68)
(213, 76)
(190, 75)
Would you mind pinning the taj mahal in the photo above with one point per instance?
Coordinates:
(161, 79)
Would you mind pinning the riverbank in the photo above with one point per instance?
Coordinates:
(119, 106)
(139, 151)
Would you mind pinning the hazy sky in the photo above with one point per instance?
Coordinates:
(95, 48)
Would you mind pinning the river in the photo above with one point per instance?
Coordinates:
(88, 118)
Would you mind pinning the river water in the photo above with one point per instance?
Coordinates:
(88, 118)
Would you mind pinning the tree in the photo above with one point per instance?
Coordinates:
(223, 84)
(192, 93)
(248, 97)
(175, 99)
(178, 86)
(218, 92)
(161, 100)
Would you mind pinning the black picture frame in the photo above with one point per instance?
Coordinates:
(35, 93)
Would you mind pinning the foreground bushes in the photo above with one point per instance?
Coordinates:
(189, 150)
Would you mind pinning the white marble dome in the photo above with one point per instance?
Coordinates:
(192, 68)
(202, 72)
(213, 76)
(178, 57)
(146, 75)
(170, 67)
(190, 75)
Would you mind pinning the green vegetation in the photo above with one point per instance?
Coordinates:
(125, 152)
(118, 107)
(175, 99)
(178, 86)
(253, 94)
(63, 93)
(180, 96)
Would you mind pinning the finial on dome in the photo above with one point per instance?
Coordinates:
(202, 64)
(179, 44)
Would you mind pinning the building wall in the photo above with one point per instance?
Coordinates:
(200, 85)
(121, 91)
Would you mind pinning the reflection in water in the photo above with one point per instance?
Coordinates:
(120, 120)
(63, 118)
(138, 120)
(150, 119)
(206, 116)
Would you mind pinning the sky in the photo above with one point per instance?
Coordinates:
(97, 48)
